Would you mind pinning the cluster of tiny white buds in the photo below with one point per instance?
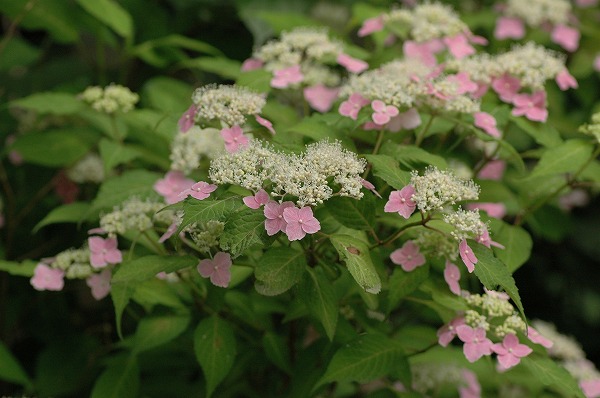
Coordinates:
(592, 128)
(187, 150)
(133, 215)
(229, 104)
(75, 263)
(476, 320)
(582, 369)
(466, 223)
(436, 189)
(537, 12)
(206, 235)
(89, 169)
(512, 324)
(111, 99)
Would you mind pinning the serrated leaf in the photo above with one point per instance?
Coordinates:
(221, 66)
(369, 357)
(215, 348)
(50, 102)
(413, 157)
(279, 269)
(115, 153)
(517, 244)
(199, 211)
(352, 213)
(318, 294)
(549, 373)
(543, 134)
(386, 168)
(111, 14)
(10, 369)
(277, 351)
(72, 212)
(147, 267)
(133, 183)
(120, 379)
(54, 148)
(158, 330)
(243, 229)
(24, 268)
(565, 158)
(403, 283)
(493, 273)
(355, 254)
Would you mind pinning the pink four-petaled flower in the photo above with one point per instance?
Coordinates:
(565, 80)
(566, 37)
(447, 332)
(200, 190)
(401, 201)
(383, 113)
(352, 106)
(404, 121)
(452, 276)
(218, 269)
(506, 86)
(47, 278)
(172, 185)
(509, 28)
(99, 283)
(533, 106)
(463, 83)
(256, 201)
(300, 221)
(285, 77)
(234, 138)
(487, 123)
(467, 255)
(408, 256)
(475, 344)
(510, 351)
(273, 212)
(186, 121)
(320, 97)
(103, 252)
(459, 46)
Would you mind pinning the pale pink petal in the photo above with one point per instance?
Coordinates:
(459, 46)
(566, 36)
(535, 337)
(186, 121)
(251, 64)
(288, 76)
(597, 63)
(265, 123)
(465, 333)
(47, 278)
(320, 97)
(311, 226)
(565, 80)
(114, 257)
(206, 268)
(97, 260)
(294, 231)
(352, 64)
(221, 277)
(506, 87)
(509, 28)
(371, 25)
(467, 255)
(100, 284)
(493, 170)
(452, 276)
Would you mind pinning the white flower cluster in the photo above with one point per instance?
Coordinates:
(187, 150)
(111, 99)
(592, 128)
(537, 12)
(135, 215)
(436, 189)
(206, 235)
(494, 313)
(466, 223)
(229, 104)
(306, 176)
(88, 169)
(565, 347)
(427, 21)
(75, 263)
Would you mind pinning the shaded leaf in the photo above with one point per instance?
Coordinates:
(353, 213)
(355, 254)
(565, 158)
(53, 148)
(199, 211)
(132, 183)
(403, 283)
(50, 102)
(147, 267)
(517, 243)
(25, 268)
(224, 67)
(386, 168)
(549, 373)
(158, 330)
(111, 14)
(279, 269)
(277, 351)
(243, 229)
(318, 294)
(120, 379)
(10, 369)
(115, 153)
(72, 212)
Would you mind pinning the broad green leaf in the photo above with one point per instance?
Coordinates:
(352, 213)
(10, 368)
(120, 380)
(355, 254)
(153, 292)
(133, 183)
(153, 51)
(50, 102)
(199, 211)
(367, 358)
(168, 95)
(565, 158)
(147, 267)
(281, 21)
(413, 157)
(243, 229)
(318, 294)
(120, 294)
(258, 79)
(72, 212)
(493, 273)
(18, 269)
(386, 168)
(114, 153)
(54, 148)
(224, 67)
(158, 330)
(277, 351)
(111, 14)
(517, 244)
(543, 134)
(21, 54)
(215, 348)
(279, 269)
(549, 373)
(403, 283)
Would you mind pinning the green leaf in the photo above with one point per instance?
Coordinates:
(243, 229)
(258, 79)
(517, 243)
(132, 183)
(147, 267)
(115, 153)
(355, 254)
(315, 128)
(386, 168)
(543, 134)
(403, 283)
(69, 213)
(153, 51)
(221, 66)
(120, 379)
(413, 157)
(549, 373)
(565, 158)
(277, 351)
(318, 294)
(493, 273)
(25, 268)
(50, 103)
(281, 21)
(168, 95)
(21, 54)
(54, 148)
(367, 358)
(199, 211)
(111, 14)
(120, 294)
(10, 369)
(352, 213)
(158, 330)
(214, 345)
(279, 269)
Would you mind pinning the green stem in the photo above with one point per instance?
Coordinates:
(376, 148)
(400, 232)
(421, 134)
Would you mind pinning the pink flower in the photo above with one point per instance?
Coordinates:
(103, 252)
(251, 64)
(586, 3)
(366, 184)
(459, 46)
(506, 87)
(476, 344)
(200, 190)
(408, 256)
(509, 28)
(510, 351)
(597, 63)
(371, 25)
(265, 123)
(186, 121)
(591, 388)
(463, 82)
(234, 138)
(172, 185)
(535, 337)
(383, 113)
(320, 97)
(100, 284)
(424, 52)
(566, 37)
(256, 201)
(300, 222)
(352, 64)
(401, 201)
(284, 77)
(493, 170)
(473, 388)
(532, 106)
(353, 105)
(484, 239)
(467, 255)
(218, 269)
(447, 332)
(487, 123)
(496, 210)
(47, 278)
(275, 222)
(482, 89)
(565, 80)
(404, 121)
(170, 231)
(452, 276)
